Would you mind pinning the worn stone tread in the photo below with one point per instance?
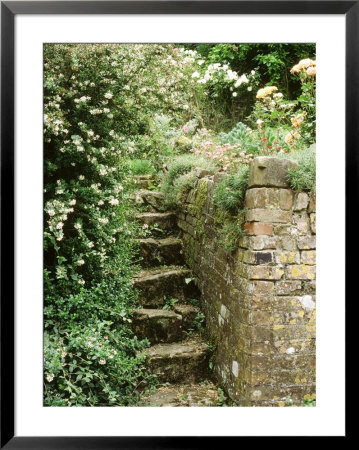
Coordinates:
(188, 313)
(196, 394)
(156, 252)
(157, 284)
(164, 220)
(185, 362)
(157, 325)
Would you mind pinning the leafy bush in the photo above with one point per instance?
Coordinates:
(93, 366)
(180, 177)
(303, 177)
(229, 199)
(229, 194)
(141, 166)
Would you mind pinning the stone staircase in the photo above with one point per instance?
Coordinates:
(178, 355)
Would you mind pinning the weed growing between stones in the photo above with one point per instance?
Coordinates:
(229, 199)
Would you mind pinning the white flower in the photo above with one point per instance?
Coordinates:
(51, 212)
(234, 94)
(59, 225)
(102, 362)
(114, 201)
(78, 226)
(73, 202)
(49, 378)
(108, 94)
(80, 262)
(249, 88)
(195, 75)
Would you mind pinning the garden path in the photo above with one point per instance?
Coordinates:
(169, 310)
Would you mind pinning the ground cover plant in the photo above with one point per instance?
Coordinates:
(114, 111)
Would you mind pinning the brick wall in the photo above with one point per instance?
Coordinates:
(259, 301)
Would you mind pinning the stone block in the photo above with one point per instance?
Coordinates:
(270, 171)
(308, 257)
(287, 258)
(262, 242)
(301, 222)
(301, 201)
(288, 243)
(306, 242)
(262, 198)
(313, 225)
(288, 287)
(300, 272)
(312, 203)
(286, 199)
(265, 273)
(268, 215)
(259, 228)
(263, 287)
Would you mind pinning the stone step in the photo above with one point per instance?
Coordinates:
(203, 394)
(157, 325)
(188, 313)
(154, 285)
(151, 200)
(164, 221)
(185, 362)
(166, 251)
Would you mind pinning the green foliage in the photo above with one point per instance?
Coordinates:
(229, 199)
(229, 194)
(93, 366)
(181, 177)
(303, 177)
(169, 303)
(141, 166)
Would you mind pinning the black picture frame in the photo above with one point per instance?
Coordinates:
(9, 10)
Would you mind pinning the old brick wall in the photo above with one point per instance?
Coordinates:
(259, 302)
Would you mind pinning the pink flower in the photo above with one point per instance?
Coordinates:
(185, 129)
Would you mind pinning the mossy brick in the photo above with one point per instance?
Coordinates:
(260, 378)
(308, 256)
(262, 348)
(265, 273)
(286, 199)
(301, 222)
(282, 257)
(268, 215)
(306, 242)
(262, 242)
(282, 230)
(262, 198)
(270, 171)
(263, 287)
(301, 201)
(288, 243)
(258, 317)
(263, 302)
(313, 223)
(258, 228)
(312, 203)
(300, 272)
(288, 287)
(287, 332)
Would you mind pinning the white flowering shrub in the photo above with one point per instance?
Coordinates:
(95, 98)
